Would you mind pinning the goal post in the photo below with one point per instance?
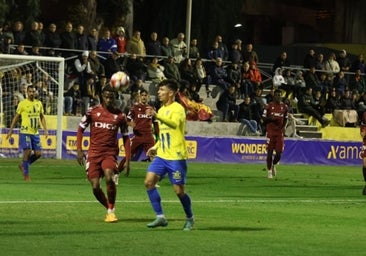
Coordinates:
(47, 74)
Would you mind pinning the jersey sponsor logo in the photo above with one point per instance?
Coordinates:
(105, 126)
(143, 116)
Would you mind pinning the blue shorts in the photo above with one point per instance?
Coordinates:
(176, 169)
(30, 141)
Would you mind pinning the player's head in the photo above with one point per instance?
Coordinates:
(277, 95)
(109, 95)
(144, 96)
(31, 92)
(167, 90)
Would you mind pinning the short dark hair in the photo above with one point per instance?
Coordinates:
(109, 88)
(170, 83)
(144, 91)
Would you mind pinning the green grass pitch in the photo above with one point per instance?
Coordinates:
(306, 210)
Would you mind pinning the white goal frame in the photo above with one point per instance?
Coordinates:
(59, 82)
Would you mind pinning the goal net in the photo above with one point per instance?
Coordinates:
(47, 74)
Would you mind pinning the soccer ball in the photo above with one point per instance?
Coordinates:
(120, 80)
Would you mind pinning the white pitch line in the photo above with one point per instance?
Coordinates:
(303, 201)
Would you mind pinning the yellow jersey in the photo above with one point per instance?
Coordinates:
(172, 127)
(30, 112)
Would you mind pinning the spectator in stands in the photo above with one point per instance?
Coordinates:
(325, 84)
(310, 59)
(81, 38)
(166, 48)
(83, 67)
(306, 105)
(72, 100)
(249, 54)
(171, 70)
(247, 87)
(346, 115)
(136, 87)
(361, 107)
(7, 31)
(35, 50)
(331, 64)
(319, 63)
(155, 71)
(201, 76)
(235, 54)
(113, 64)
(20, 50)
(52, 37)
(359, 63)
(136, 68)
(121, 39)
(312, 79)
(227, 105)
(246, 117)
(333, 101)
(254, 74)
(214, 52)
(340, 82)
(179, 48)
(18, 32)
(68, 40)
(319, 102)
(292, 122)
(107, 44)
(281, 61)
(187, 71)
(278, 80)
(136, 44)
(32, 37)
(219, 76)
(41, 32)
(223, 49)
(194, 52)
(153, 46)
(234, 76)
(343, 61)
(357, 82)
(95, 65)
(92, 39)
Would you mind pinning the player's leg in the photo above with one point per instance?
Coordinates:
(26, 145)
(109, 167)
(269, 160)
(94, 172)
(280, 144)
(37, 149)
(177, 176)
(155, 170)
(364, 174)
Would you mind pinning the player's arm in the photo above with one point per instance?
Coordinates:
(13, 123)
(44, 124)
(79, 139)
(363, 130)
(156, 130)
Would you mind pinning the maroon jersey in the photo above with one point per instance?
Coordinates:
(104, 126)
(276, 114)
(143, 122)
(363, 130)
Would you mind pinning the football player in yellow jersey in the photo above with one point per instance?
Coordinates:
(30, 110)
(170, 154)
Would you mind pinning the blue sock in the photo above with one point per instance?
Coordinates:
(186, 202)
(155, 201)
(25, 165)
(32, 158)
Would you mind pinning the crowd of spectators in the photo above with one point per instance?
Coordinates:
(332, 84)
